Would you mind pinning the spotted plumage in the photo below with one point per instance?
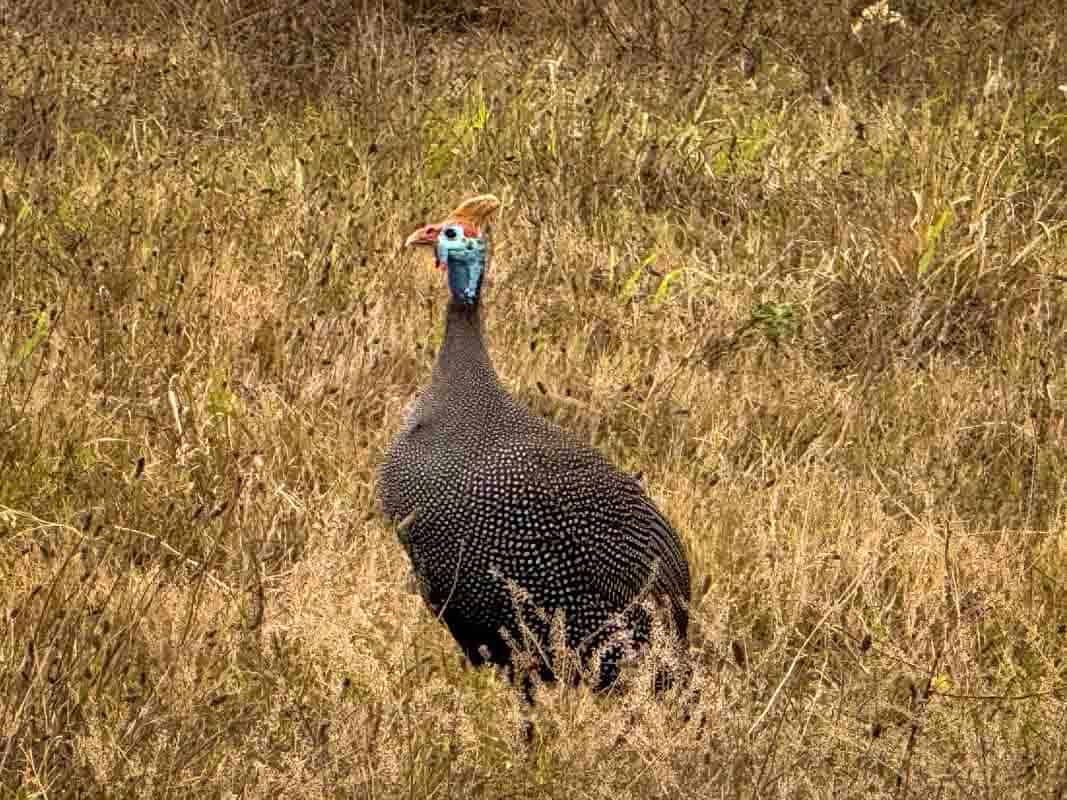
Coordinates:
(506, 516)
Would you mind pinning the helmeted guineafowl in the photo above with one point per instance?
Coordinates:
(505, 515)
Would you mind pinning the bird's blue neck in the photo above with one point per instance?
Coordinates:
(465, 263)
(463, 363)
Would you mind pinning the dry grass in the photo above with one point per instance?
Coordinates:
(819, 300)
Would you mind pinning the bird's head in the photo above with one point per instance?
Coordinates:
(459, 245)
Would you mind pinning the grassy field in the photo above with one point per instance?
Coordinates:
(804, 267)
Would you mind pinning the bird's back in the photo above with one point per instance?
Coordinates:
(512, 515)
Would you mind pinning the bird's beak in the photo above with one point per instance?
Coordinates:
(426, 236)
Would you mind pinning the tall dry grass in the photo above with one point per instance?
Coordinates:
(805, 270)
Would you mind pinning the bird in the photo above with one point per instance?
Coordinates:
(514, 526)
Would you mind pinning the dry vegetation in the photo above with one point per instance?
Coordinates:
(806, 271)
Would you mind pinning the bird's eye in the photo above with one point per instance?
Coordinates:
(450, 233)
